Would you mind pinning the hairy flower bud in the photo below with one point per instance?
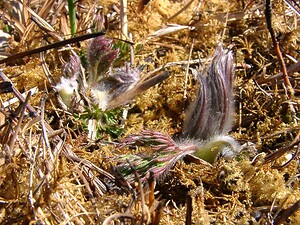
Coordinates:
(211, 112)
(101, 55)
(115, 83)
(68, 86)
(67, 89)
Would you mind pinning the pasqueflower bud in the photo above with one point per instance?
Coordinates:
(115, 83)
(211, 112)
(68, 86)
(101, 55)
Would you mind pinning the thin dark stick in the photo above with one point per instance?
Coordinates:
(286, 213)
(189, 209)
(51, 46)
(180, 11)
(158, 212)
(280, 152)
(268, 14)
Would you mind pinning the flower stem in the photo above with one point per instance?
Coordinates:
(72, 17)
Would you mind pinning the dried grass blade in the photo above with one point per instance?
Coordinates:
(15, 100)
(170, 28)
(44, 11)
(16, 23)
(293, 5)
(18, 127)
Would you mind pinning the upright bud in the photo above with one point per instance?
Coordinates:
(101, 55)
(68, 86)
(211, 112)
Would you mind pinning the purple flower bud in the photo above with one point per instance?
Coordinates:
(211, 112)
(167, 153)
(68, 86)
(124, 79)
(73, 68)
(100, 56)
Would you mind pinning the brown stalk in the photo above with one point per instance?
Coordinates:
(158, 212)
(275, 155)
(286, 213)
(268, 14)
(189, 209)
(151, 183)
(291, 69)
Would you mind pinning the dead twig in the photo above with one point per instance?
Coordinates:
(189, 209)
(291, 69)
(275, 155)
(268, 14)
(286, 213)
(158, 212)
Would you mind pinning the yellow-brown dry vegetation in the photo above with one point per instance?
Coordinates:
(51, 173)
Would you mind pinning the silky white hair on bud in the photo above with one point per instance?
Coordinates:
(101, 98)
(67, 89)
